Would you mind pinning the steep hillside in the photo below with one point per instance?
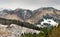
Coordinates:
(18, 14)
(23, 13)
(43, 13)
(17, 22)
(13, 16)
(55, 32)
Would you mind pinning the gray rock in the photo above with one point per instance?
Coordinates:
(14, 31)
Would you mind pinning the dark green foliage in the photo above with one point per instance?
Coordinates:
(29, 35)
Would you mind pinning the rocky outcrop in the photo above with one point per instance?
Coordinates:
(15, 30)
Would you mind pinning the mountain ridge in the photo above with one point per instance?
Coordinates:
(45, 11)
(31, 16)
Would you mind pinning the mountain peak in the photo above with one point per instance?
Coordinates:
(41, 12)
(45, 8)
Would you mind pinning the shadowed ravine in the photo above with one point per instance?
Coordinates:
(17, 22)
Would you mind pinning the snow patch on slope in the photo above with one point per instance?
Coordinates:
(49, 22)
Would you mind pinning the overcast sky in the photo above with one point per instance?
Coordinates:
(29, 4)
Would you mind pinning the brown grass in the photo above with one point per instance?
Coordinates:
(55, 32)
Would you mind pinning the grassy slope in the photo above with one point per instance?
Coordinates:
(55, 32)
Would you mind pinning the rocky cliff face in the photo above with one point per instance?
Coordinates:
(23, 13)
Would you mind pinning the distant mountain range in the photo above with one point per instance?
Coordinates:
(30, 16)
